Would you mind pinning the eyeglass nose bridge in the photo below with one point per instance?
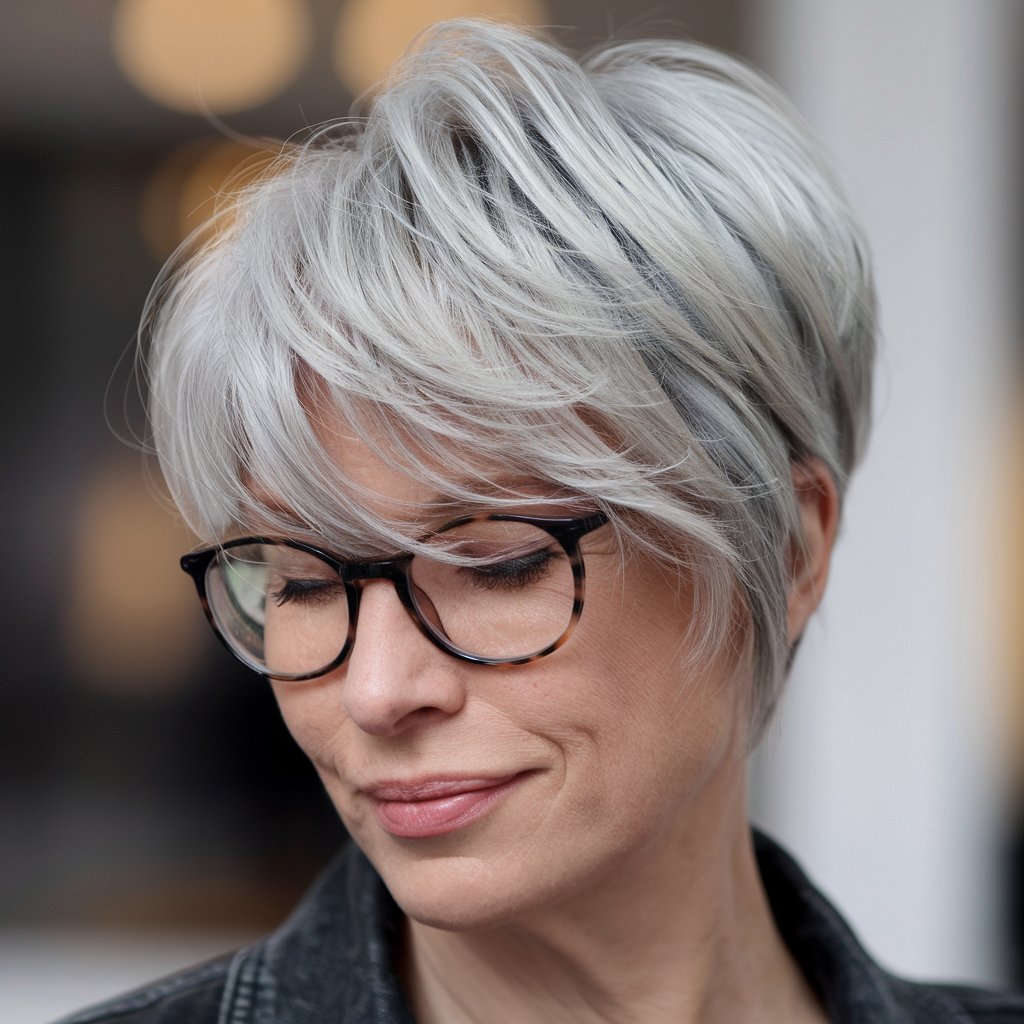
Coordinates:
(422, 612)
(394, 569)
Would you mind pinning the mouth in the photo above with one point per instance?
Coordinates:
(422, 808)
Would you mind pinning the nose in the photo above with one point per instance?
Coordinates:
(394, 678)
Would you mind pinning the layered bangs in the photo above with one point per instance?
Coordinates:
(461, 312)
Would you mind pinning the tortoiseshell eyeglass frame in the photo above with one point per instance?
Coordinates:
(567, 531)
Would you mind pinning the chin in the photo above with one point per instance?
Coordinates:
(459, 886)
(459, 891)
(456, 893)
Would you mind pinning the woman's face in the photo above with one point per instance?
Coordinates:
(485, 793)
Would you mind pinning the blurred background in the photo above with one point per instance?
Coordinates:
(153, 810)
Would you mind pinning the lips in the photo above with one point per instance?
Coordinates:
(433, 807)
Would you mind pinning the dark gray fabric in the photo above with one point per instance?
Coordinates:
(332, 962)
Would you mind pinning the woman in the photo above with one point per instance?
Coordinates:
(518, 416)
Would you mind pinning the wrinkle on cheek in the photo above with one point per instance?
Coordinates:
(314, 717)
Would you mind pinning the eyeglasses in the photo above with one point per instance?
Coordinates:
(500, 590)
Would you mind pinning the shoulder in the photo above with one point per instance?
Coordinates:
(980, 1005)
(191, 996)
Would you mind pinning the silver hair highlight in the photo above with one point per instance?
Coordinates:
(631, 277)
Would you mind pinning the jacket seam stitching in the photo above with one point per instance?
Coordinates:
(239, 989)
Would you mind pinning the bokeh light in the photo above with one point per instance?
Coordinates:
(371, 34)
(133, 623)
(192, 184)
(214, 56)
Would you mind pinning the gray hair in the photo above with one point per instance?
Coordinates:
(630, 277)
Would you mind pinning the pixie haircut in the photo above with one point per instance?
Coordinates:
(628, 277)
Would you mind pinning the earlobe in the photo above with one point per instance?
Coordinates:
(809, 557)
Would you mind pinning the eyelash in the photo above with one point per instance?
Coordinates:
(311, 592)
(519, 572)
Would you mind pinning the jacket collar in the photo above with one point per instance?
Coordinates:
(334, 958)
(853, 988)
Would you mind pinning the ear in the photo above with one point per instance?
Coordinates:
(818, 503)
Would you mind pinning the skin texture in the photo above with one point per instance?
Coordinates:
(616, 880)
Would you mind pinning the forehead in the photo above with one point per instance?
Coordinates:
(391, 478)
(369, 462)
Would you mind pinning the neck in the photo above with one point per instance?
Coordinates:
(681, 933)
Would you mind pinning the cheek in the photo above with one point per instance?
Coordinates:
(670, 710)
(313, 714)
(315, 717)
(653, 722)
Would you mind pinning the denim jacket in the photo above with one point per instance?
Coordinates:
(332, 962)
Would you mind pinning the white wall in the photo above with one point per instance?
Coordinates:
(881, 773)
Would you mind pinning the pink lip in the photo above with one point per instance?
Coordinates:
(434, 807)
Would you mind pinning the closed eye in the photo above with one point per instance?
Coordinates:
(513, 573)
(312, 592)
